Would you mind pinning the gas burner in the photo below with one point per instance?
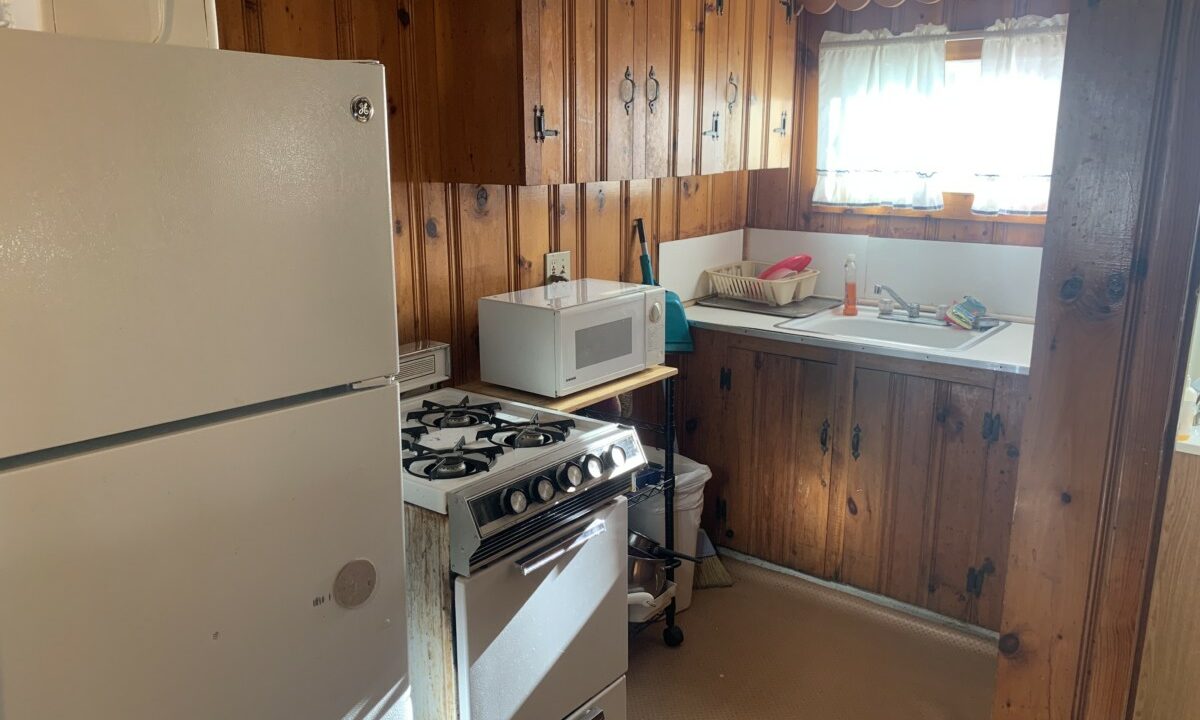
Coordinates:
(527, 434)
(459, 415)
(456, 462)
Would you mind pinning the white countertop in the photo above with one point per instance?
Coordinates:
(1191, 445)
(1008, 350)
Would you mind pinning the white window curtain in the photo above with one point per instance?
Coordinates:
(879, 94)
(1020, 78)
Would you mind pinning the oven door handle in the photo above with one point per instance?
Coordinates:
(545, 555)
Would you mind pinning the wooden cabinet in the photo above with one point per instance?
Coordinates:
(487, 132)
(771, 78)
(723, 84)
(777, 497)
(659, 28)
(637, 88)
(893, 476)
(606, 89)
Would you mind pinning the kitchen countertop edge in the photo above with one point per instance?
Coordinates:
(1000, 353)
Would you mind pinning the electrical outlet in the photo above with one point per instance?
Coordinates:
(558, 266)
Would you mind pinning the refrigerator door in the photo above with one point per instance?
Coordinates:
(182, 231)
(192, 575)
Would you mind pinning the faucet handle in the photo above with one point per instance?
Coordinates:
(886, 306)
(878, 288)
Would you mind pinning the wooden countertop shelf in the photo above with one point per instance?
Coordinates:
(582, 399)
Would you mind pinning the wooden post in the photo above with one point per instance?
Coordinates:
(1114, 306)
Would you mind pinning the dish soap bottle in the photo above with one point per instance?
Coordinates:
(850, 306)
(1187, 412)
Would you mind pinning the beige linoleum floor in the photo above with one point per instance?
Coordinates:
(778, 647)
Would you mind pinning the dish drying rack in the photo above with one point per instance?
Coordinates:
(662, 608)
(740, 280)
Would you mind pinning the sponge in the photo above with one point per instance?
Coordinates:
(966, 312)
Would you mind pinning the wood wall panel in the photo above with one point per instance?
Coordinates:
(602, 231)
(531, 233)
(455, 243)
(782, 199)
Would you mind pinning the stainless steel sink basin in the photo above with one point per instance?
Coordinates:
(924, 333)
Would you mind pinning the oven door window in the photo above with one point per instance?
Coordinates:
(602, 342)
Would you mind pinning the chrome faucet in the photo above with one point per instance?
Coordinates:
(913, 309)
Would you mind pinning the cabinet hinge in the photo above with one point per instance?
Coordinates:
(975, 577)
(722, 509)
(789, 9)
(993, 427)
(726, 381)
(540, 131)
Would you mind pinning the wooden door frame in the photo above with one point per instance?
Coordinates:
(1115, 304)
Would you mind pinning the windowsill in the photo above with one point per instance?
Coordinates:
(957, 207)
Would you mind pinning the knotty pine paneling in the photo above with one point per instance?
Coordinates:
(782, 199)
(455, 243)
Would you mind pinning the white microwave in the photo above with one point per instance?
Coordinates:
(569, 336)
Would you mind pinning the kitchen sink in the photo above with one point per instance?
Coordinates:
(923, 332)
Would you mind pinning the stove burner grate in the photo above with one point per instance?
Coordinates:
(456, 462)
(527, 434)
(459, 415)
(409, 437)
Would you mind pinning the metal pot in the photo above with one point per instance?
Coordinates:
(651, 547)
(647, 573)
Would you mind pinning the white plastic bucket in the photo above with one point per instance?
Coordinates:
(648, 516)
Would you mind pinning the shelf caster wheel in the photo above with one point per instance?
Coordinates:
(673, 636)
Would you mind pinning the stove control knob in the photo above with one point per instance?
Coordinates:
(570, 476)
(616, 456)
(543, 490)
(593, 467)
(515, 501)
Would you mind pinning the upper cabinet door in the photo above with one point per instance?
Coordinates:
(780, 111)
(715, 86)
(689, 88)
(583, 91)
(733, 88)
(621, 88)
(757, 84)
(543, 27)
(658, 96)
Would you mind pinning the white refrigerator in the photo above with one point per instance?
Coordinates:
(200, 476)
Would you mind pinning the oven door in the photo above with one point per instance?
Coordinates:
(542, 631)
(601, 341)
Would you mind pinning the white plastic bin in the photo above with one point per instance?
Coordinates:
(648, 517)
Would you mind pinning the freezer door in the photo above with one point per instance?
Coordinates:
(184, 230)
(541, 632)
(192, 576)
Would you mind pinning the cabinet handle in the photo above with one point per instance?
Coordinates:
(720, 7)
(715, 132)
(628, 88)
(540, 131)
(651, 102)
(825, 437)
(736, 91)
(782, 129)
(856, 442)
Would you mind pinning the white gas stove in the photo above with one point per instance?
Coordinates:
(505, 472)
(537, 529)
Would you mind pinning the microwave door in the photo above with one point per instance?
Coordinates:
(600, 342)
